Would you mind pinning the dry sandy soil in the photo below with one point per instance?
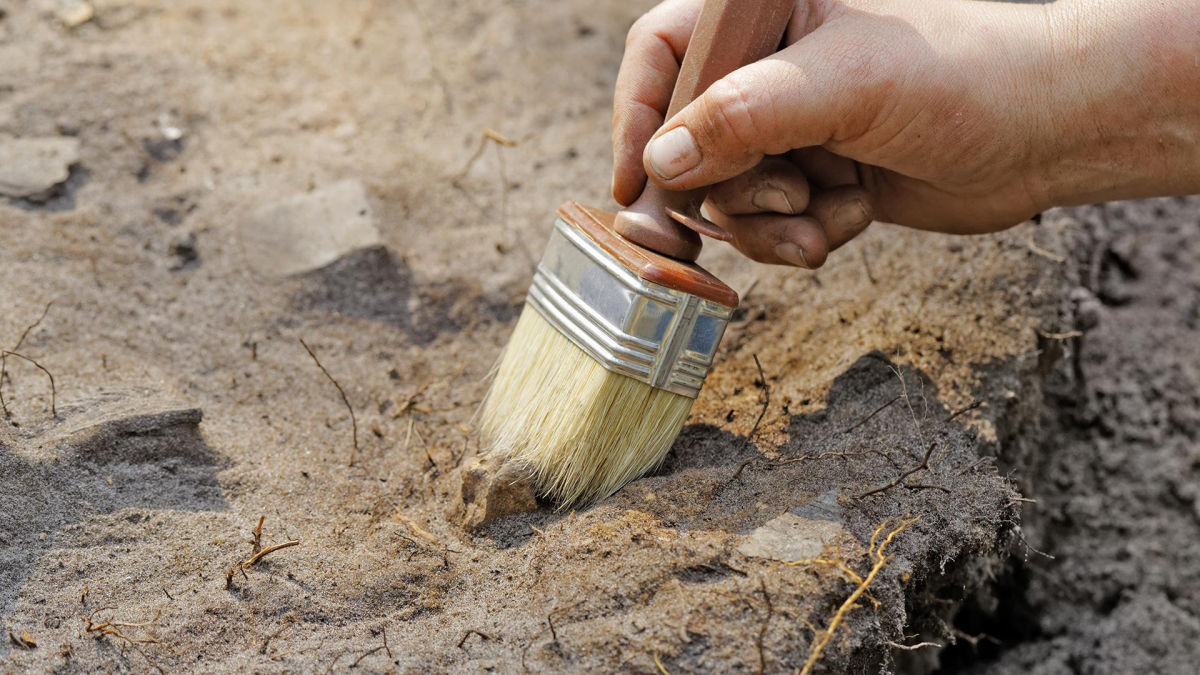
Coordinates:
(1048, 375)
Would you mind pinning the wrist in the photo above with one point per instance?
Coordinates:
(1122, 112)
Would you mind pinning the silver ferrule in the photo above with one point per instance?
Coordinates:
(656, 335)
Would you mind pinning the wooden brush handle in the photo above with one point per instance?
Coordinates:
(728, 35)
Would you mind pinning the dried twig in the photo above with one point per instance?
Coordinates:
(411, 400)
(287, 621)
(471, 632)
(365, 655)
(342, 392)
(966, 409)
(813, 458)
(4, 357)
(258, 554)
(658, 664)
(876, 553)
(907, 401)
(500, 141)
(923, 466)
(762, 631)
(112, 629)
(270, 549)
(257, 541)
(53, 388)
(866, 419)
(762, 377)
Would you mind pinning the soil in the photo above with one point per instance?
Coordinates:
(918, 381)
(1113, 468)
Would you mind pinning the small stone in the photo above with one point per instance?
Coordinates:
(74, 13)
(789, 537)
(1088, 308)
(30, 168)
(308, 231)
(493, 488)
(183, 248)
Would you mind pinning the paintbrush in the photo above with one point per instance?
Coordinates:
(620, 325)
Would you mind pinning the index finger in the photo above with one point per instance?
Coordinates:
(653, 51)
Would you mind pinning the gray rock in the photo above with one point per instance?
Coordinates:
(308, 231)
(789, 537)
(31, 167)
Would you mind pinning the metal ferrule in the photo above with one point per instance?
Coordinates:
(654, 334)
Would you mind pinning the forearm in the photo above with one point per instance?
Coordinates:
(1124, 100)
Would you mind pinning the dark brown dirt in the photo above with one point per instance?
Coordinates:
(128, 508)
(1114, 465)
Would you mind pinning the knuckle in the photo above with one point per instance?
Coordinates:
(641, 28)
(731, 113)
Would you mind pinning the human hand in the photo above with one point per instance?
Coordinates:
(955, 116)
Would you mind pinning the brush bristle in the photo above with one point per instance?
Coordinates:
(583, 430)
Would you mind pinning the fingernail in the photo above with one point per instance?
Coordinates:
(852, 215)
(791, 254)
(773, 200)
(673, 153)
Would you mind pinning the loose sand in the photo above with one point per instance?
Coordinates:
(187, 408)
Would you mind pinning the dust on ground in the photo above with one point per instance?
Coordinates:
(185, 408)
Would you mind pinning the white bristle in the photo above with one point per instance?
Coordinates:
(583, 430)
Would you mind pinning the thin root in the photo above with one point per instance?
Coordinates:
(4, 357)
(879, 558)
(345, 399)
(923, 466)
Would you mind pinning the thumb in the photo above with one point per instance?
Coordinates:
(793, 99)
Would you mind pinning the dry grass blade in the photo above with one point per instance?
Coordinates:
(345, 399)
(53, 387)
(762, 631)
(923, 466)
(112, 629)
(258, 553)
(762, 378)
(4, 357)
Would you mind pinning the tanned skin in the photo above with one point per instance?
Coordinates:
(957, 116)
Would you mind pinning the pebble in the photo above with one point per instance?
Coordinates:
(307, 231)
(30, 168)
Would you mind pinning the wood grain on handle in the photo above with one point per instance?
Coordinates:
(729, 34)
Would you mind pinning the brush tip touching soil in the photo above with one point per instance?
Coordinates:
(584, 431)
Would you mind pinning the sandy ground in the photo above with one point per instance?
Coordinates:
(186, 407)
